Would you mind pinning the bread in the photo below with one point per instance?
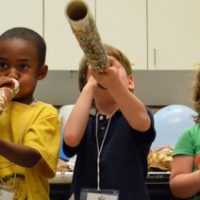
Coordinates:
(160, 158)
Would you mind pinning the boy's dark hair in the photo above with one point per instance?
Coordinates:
(29, 35)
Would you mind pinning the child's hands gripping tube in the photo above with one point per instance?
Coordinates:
(7, 93)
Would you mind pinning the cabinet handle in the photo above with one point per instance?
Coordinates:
(154, 57)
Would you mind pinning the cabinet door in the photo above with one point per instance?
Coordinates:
(63, 50)
(173, 34)
(21, 13)
(123, 24)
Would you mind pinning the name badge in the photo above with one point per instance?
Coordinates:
(92, 194)
(6, 194)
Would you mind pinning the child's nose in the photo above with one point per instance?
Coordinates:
(13, 73)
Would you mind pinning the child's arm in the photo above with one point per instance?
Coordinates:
(77, 121)
(131, 106)
(19, 154)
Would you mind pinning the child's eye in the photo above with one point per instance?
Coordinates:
(3, 66)
(23, 67)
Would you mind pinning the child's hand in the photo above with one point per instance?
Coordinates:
(109, 78)
(6, 81)
(5, 97)
(90, 79)
(8, 89)
(197, 161)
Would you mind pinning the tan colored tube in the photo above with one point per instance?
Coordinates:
(7, 94)
(84, 28)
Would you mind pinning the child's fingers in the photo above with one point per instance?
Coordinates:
(6, 81)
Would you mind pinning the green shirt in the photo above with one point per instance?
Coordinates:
(189, 144)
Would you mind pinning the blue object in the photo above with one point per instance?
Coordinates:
(61, 153)
(64, 112)
(170, 122)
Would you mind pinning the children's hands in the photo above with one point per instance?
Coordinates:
(109, 78)
(197, 161)
(5, 94)
(6, 81)
(8, 89)
(91, 80)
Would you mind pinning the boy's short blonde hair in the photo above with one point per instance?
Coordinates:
(110, 50)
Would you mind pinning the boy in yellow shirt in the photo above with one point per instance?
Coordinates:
(29, 128)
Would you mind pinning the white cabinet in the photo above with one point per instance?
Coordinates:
(173, 34)
(153, 34)
(123, 24)
(63, 50)
(21, 13)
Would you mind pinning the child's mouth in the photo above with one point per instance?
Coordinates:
(102, 87)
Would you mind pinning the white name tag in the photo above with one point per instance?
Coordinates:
(91, 194)
(6, 194)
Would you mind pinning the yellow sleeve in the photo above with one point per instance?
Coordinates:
(44, 136)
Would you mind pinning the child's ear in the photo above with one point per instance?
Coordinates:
(42, 72)
(131, 84)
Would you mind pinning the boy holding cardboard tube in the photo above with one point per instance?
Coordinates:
(111, 131)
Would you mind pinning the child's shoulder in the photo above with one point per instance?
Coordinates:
(46, 106)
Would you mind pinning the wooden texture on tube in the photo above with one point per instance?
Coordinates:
(84, 28)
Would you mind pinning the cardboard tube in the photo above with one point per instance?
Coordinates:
(84, 28)
(7, 94)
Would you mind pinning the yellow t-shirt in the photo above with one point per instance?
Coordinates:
(37, 126)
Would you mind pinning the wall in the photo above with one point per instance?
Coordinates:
(153, 87)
